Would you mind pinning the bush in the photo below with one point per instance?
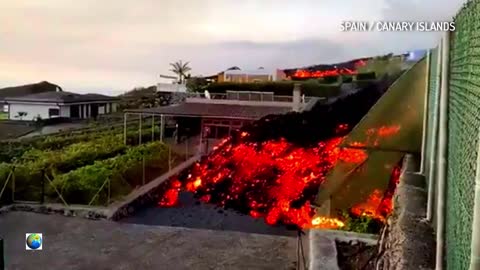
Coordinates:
(72, 156)
(331, 79)
(347, 79)
(80, 185)
(360, 224)
(366, 76)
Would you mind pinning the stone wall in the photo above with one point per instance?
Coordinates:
(146, 195)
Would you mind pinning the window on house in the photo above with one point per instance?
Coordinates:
(5, 108)
(53, 112)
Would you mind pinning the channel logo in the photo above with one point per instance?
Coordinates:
(33, 241)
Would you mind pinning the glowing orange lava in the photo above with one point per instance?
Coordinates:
(320, 222)
(302, 73)
(274, 180)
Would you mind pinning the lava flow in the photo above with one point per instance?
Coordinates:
(303, 73)
(275, 180)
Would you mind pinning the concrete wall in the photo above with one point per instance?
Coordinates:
(409, 241)
(32, 110)
(114, 107)
(102, 109)
(240, 102)
(145, 195)
(245, 78)
(168, 87)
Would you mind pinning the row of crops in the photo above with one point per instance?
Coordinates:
(90, 167)
(12, 150)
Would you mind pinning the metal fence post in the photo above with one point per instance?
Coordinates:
(143, 170)
(162, 125)
(186, 149)
(153, 127)
(13, 185)
(125, 128)
(169, 158)
(139, 129)
(109, 191)
(42, 199)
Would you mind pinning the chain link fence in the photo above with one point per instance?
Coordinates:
(463, 131)
(463, 128)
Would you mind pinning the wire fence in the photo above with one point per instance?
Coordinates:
(463, 132)
(41, 186)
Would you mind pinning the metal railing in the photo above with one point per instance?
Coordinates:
(246, 96)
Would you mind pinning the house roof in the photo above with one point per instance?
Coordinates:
(28, 89)
(215, 110)
(60, 97)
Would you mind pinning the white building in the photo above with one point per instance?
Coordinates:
(59, 104)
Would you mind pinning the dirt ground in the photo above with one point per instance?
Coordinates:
(10, 130)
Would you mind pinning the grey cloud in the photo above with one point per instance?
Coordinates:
(421, 10)
(132, 41)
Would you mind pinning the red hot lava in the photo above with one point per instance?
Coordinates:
(274, 180)
(302, 73)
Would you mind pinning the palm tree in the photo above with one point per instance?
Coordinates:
(180, 69)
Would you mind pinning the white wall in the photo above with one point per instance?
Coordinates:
(102, 109)
(65, 111)
(32, 110)
(165, 87)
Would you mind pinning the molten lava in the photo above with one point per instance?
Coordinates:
(274, 180)
(303, 73)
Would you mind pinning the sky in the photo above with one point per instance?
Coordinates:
(112, 46)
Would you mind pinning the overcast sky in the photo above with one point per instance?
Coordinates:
(114, 45)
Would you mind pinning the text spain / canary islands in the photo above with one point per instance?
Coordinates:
(396, 26)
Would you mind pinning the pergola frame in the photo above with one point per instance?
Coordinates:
(206, 121)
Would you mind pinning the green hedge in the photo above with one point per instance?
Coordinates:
(284, 88)
(15, 149)
(331, 79)
(72, 156)
(80, 185)
(366, 76)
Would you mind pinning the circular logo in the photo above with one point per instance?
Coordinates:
(34, 241)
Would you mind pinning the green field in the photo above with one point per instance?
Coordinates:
(79, 165)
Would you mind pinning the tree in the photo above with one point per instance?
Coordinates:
(233, 68)
(180, 69)
(196, 84)
(21, 115)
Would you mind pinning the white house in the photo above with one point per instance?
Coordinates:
(59, 104)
